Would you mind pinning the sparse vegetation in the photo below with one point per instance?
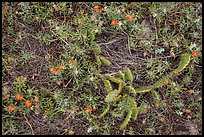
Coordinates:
(69, 67)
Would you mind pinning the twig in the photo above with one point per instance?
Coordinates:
(110, 42)
(29, 124)
(60, 38)
(68, 83)
(86, 5)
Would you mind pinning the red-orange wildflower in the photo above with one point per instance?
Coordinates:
(28, 103)
(19, 97)
(195, 53)
(71, 63)
(114, 22)
(61, 67)
(88, 110)
(53, 70)
(97, 9)
(11, 108)
(128, 17)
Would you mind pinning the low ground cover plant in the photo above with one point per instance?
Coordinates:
(98, 68)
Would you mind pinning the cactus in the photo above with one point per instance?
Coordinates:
(184, 61)
(144, 89)
(98, 61)
(117, 112)
(107, 85)
(127, 119)
(156, 98)
(121, 75)
(114, 79)
(120, 86)
(105, 61)
(126, 103)
(135, 112)
(112, 96)
(128, 74)
(97, 50)
(105, 111)
(130, 89)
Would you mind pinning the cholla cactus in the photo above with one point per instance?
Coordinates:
(126, 103)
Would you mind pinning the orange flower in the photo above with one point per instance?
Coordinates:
(19, 97)
(97, 9)
(28, 103)
(71, 63)
(88, 110)
(195, 53)
(53, 70)
(61, 67)
(11, 108)
(114, 22)
(36, 99)
(128, 17)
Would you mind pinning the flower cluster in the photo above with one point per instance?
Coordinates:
(88, 110)
(97, 9)
(195, 52)
(53, 70)
(71, 63)
(114, 22)
(28, 103)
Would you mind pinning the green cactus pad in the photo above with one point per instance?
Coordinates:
(114, 79)
(113, 96)
(120, 86)
(184, 61)
(135, 112)
(128, 74)
(105, 111)
(98, 61)
(118, 112)
(97, 49)
(105, 61)
(156, 98)
(144, 89)
(127, 119)
(121, 75)
(130, 89)
(107, 85)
